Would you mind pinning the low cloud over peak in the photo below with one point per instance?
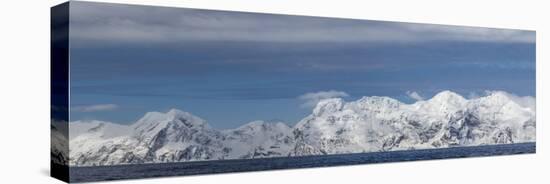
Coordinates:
(415, 95)
(311, 99)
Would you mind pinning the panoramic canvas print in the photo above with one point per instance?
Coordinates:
(157, 91)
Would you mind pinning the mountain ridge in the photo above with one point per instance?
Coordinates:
(334, 127)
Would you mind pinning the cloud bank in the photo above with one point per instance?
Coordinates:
(96, 108)
(146, 24)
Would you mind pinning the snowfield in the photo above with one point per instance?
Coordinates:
(335, 126)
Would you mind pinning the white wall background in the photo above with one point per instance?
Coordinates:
(24, 90)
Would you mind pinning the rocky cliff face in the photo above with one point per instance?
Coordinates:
(335, 126)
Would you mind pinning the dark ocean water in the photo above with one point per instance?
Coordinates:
(85, 174)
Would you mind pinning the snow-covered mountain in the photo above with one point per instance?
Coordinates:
(259, 139)
(173, 136)
(59, 143)
(382, 124)
(335, 126)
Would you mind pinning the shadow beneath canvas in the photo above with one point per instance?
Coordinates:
(45, 171)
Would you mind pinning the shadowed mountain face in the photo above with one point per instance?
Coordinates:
(334, 127)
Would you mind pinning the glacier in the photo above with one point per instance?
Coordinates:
(369, 124)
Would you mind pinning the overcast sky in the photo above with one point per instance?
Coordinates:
(231, 68)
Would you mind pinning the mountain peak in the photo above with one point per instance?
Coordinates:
(523, 101)
(172, 114)
(98, 128)
(377, 102)
(442, 103)
(448, 99)
(176, 112)
(448, 96)
(498, 96)
(156, 121)
(506, 102)
(330, 105)
(263, 126)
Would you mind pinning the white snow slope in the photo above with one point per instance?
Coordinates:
(335, 126)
